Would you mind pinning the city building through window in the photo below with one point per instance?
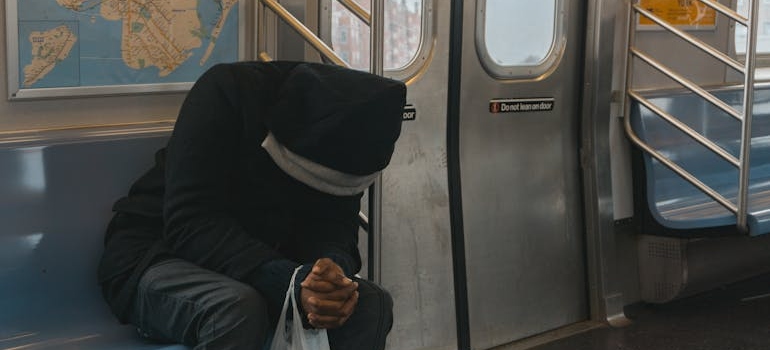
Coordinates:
(403, 33)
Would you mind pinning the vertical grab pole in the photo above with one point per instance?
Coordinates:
(377, 32)
(748, 111)
(632, 22)
(260, 28)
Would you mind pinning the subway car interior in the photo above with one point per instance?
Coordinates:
(570, 174)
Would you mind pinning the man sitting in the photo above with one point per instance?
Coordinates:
(263, 173)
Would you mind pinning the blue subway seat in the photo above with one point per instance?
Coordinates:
(55, 201)
(674, 206)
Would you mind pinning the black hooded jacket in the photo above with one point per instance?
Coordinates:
(217, 199)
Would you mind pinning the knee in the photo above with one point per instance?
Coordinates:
(241, 313)
(243, 302)
(370, 323)
(375, 306)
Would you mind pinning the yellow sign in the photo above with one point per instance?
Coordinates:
(684, 13)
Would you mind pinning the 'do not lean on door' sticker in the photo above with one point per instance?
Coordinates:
(521, 105)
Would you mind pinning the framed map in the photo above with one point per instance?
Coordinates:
(62, 48)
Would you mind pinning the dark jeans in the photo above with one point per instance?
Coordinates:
(177, 301)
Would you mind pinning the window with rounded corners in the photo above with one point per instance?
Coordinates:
(520, 39)
(406, 34)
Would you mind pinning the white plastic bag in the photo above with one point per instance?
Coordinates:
(291, 335)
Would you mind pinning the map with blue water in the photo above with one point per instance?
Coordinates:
(76, 43)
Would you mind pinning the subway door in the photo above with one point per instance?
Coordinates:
(519, 167)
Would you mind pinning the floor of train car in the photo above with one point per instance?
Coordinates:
(735, 317)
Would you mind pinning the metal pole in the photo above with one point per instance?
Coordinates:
(632, 26)
(377, 31)
(306, 34)
(687, 176)
(705, 141)
(725, 10)
(377, 37)
(357, 10)
(748, 110)
(691, 39)
(695, 88)
(260, 29)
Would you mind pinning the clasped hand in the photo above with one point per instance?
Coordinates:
(328, 296)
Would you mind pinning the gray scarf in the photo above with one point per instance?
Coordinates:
(315, 175)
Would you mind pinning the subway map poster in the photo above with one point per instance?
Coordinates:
(81, 47)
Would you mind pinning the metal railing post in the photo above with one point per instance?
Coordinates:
(377, 32)
(748, 110)
(304, 32)
(631, 39)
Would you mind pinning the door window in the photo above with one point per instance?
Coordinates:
(519, 38)
(403, 34)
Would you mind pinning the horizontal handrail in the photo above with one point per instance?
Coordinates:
(305, 33)
(90, 129)
(718, 150)
(676, 168)
(687, 83)
(735, 16)
(363, 221)
(357, 10)
(732, 63)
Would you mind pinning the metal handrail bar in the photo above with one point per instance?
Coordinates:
(687, 83)
(712, 146)
(748, 111)
(377, 33)
(677, 169)
(732, 63)
(264, 57)
(305, 33)
(377, 39)
(357, 10)
(727, 11)
(363, 221)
